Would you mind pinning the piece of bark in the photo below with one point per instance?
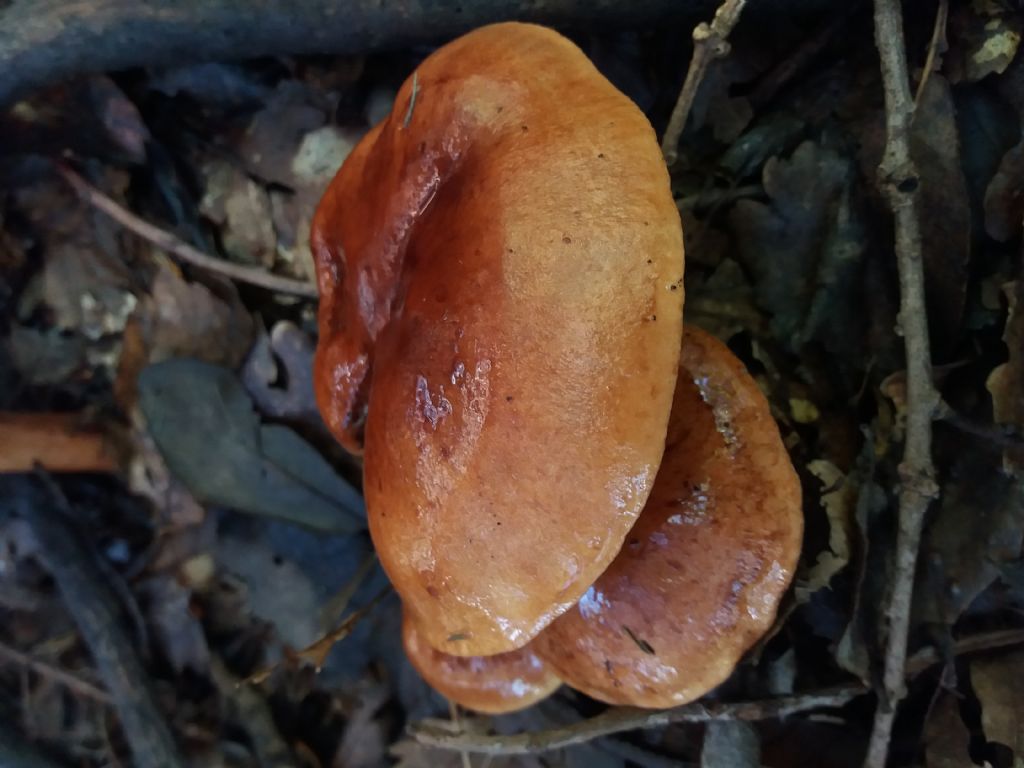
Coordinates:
(57, 441)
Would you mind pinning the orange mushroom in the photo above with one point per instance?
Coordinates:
(499, 264)
(492, 684)
(700, 577)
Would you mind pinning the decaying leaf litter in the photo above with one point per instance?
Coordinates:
(216, 584)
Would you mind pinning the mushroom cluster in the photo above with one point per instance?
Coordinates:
(559, 484)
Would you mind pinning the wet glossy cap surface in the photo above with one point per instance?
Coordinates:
(700, 577)
(492, 684)
(500, 265)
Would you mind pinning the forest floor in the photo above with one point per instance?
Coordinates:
(188, 575)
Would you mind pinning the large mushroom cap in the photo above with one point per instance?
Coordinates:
(492, 684)
(500, 267)
(701, 575)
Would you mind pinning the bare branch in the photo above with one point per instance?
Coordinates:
(438, 733)
(898, 181)
(179, 248)
(710, 42)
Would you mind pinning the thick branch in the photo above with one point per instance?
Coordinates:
(619, 719)
(45, 41)
(898, 181)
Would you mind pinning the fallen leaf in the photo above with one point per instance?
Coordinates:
(291, 145)
(859, 645)
(174, 627)
(182, 319)
(119, 117)
(944, 206)
(203, 422)
(986, 34)
(804, 248)
(730, 744)
(977, 526)
(723, 304)
(728, 115)
(1004, 204)
(88, 116)
(249, 710)
(276, 589)
(996, 681)
(45, 357)
(946, 738)
(803, 411)
(364, 741)
(150, 477)
(767, 138)
(85, 288)
(838, 499)
(1006, 382)
(285, 356)
(241, 209)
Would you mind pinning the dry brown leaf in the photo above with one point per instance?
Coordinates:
(1004, 203)
(285, 355)
(241, 209)
(1006, 382)
(985, 37)
(944, 206)
(182, 319)
(946, 738)
(85, 286)
(838, 497)
(291, 144)
(997, 684)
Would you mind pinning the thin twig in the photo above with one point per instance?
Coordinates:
(898, 181)
(99, 620)
(179, 248)
(70, 681)
(936, 46)
(710, 42)
(984, 641)
(618, 719)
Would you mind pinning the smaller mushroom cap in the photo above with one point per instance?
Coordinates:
(490, 684)
(700, 577)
